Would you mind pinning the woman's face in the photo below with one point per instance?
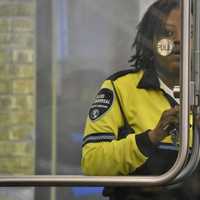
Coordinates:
(168, 65)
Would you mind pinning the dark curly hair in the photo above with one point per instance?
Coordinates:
(150, 26)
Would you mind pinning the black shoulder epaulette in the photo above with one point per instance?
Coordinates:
(121, 73)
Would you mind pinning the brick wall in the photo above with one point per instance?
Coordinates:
(17, 85)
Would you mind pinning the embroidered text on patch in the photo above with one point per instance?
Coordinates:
(102, 103)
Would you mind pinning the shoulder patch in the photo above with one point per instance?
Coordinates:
(102, 103)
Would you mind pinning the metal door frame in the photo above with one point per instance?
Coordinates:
(70, 180)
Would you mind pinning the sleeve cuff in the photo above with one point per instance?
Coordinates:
(145, 145)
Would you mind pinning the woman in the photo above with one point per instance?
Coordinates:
(132, 125)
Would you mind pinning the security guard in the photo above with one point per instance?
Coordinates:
(116, 142)
(118, 129)
(132, 124)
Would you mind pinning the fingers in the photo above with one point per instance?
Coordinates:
(171, 112)
(170, 125)
(168, 122)
(169, 117)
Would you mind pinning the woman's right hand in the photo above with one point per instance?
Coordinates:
(168, 121)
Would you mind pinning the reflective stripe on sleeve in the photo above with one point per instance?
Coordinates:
(98, 137)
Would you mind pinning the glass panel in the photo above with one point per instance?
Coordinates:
(93, 41)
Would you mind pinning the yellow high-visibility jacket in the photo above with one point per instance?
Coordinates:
(128, 104)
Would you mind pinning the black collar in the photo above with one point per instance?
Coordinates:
(149, 80)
